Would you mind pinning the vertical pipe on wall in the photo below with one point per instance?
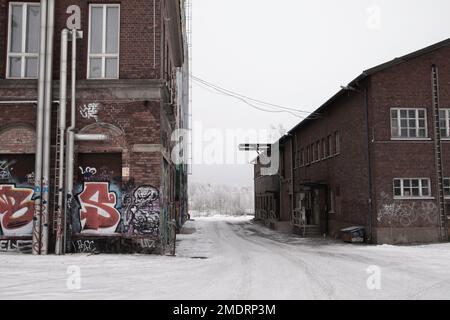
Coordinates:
(369, 166)
(70, 130)
(47, 127)
(39, 132)
(59, 248)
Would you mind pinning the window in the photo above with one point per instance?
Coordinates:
(103, 60)
(318, 150)
(447, 187)
(337, 141)
(324, 149)
(23, 40)
(409, 123)
(302, 157)
(307, 155)
(329, 145)
(412, 188)
(444, 116)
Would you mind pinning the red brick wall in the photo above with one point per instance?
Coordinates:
(345, 173)
(407, 85)
(140, 56)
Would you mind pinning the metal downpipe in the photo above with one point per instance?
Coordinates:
(47, 128)
(71, 134)
(39, 133)
(59, 246)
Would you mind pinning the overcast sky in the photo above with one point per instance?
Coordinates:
(292, 53)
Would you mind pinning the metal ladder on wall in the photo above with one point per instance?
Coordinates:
(438, 155)
(56, 180)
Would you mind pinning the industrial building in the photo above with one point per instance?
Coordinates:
(376, 155)
(90, 96)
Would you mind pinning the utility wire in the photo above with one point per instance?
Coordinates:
(255, 103)
(249, 103)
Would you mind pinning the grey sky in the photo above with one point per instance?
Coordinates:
(297, 54)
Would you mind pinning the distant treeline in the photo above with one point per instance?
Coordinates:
(207, 199)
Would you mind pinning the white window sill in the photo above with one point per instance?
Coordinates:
(102, 78)
(10, 78)
(410, 139)
(414, 198)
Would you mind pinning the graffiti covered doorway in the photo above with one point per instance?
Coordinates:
(16, 195)
(98, 190)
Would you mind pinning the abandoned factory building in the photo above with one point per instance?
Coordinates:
(376, 155)
(88, 108)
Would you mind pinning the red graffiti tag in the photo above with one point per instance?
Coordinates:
(16, 207)
(98, 212)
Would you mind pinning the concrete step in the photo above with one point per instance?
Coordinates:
(312, 232)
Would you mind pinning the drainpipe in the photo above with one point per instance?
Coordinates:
(47, 127)
(91, 137)
(369, 167)
(39, 132)
(59, 247)
(71, 133)
(294, 146)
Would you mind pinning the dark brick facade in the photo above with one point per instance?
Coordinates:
(344, 188)
(138, 110)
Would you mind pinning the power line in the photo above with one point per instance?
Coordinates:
(248, 103)
(255, 103)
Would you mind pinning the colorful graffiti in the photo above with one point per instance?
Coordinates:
(98, 213)
(142, 211)
(16, 210)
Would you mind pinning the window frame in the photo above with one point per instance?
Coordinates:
(103, 55)
(337, 143)
(447, 123)
(417, 119)
(22, 55)
(446, 180)
(412, 197)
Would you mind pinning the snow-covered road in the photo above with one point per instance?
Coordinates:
(234, 258)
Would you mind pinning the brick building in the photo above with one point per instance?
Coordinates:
(131, 88)
(377, 155)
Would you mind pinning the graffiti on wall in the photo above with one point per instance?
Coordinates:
(23, 246)
(88, 173)
(30, 178)
(142, 211)
(407, 213)
(84, 246)
(98, 212)
(6, 169)
(16, 210)
(90, 111)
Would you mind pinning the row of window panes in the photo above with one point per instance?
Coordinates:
(411, 123)
(23, 40)
(320, 150)
(419, 187)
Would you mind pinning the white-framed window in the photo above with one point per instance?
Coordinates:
(447, 187)
(23, 40)
(444, 116)
(412, 188)
(409, 123)
(337, 142)
(103, 43)
(329, 146)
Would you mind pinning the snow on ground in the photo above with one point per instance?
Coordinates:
(234, 258)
